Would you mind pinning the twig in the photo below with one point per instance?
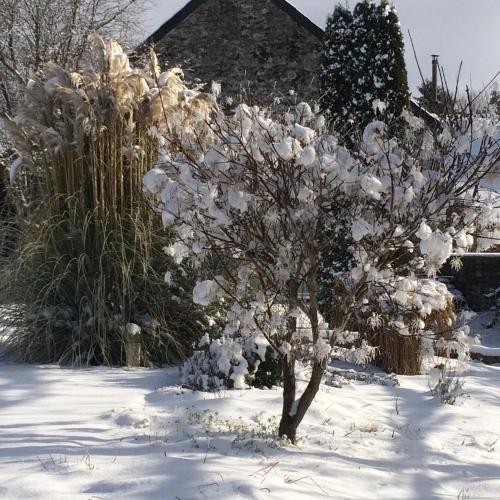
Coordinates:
(416, 58)
(42, 464)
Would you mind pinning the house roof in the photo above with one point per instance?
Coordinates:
(433, 121)
(188, 9)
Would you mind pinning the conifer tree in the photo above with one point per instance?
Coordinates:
(336, 60)
(366, 70)
(427, 100)
(363, 65)
(363, 77)
(395, 84)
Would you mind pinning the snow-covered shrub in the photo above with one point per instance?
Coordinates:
(233, 362)
(489, 236)
(446, 384)
(90, 254)
(223, 363)
(255, 195)
(397, 322)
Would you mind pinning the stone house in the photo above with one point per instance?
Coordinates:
(259, 48)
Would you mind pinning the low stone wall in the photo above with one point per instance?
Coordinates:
(479, 275)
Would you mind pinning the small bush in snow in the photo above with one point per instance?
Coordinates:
(446, 384)
(255, 436)
(223, 363)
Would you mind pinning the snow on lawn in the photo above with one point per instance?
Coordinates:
(133, 434)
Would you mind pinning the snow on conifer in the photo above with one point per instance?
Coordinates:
(363, 73)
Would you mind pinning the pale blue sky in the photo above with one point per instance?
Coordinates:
(467, 30)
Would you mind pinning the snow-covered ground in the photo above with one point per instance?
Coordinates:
(134, 434)
(488, 330)
(490, 335)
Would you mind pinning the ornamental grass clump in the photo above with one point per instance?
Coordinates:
(89, 255)
(406, 325)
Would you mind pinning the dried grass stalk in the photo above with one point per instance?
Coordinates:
(397, 353)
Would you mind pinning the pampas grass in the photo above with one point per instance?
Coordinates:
(89, 255)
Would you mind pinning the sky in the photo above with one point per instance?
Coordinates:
(457, 30)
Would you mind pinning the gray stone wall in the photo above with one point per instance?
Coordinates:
(250, 45)
(478, 276)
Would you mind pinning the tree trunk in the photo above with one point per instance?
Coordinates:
(294, 412)
(287, 427)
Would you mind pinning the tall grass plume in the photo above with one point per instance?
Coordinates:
(87, 254)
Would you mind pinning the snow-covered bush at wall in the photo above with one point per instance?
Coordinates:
(490, 234)
(405, 321)
(231, 362)
(254, 196)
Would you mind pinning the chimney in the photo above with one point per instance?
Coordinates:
(435, 71)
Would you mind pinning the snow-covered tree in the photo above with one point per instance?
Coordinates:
(363, 73)
(337, 54)
(256, 194)
(34, 32)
